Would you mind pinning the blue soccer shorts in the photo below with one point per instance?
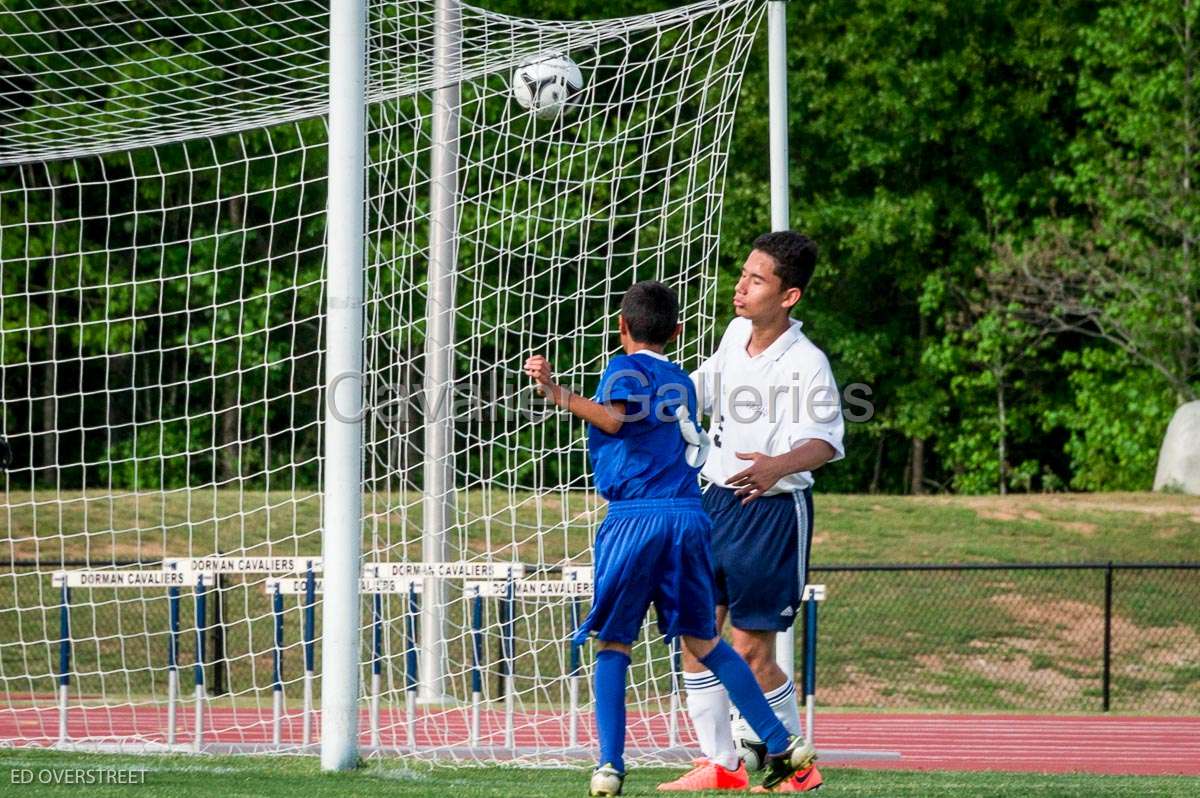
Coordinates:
(652, 551)
(760, 554)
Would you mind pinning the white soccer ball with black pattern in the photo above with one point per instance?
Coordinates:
(752, 752)
(545, 83)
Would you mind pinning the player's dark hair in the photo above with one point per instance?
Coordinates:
(651, 311)
(795, 256)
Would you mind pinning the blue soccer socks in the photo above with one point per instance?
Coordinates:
(611, 666)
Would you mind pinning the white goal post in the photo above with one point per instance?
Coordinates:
(268, 273)
(341, 543)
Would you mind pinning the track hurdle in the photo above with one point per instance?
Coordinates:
(378, 579)
(173, 579)
(212, 568)
(449, 570)
(507, 592)
(401, 578)
(276, 588)
(307, 587)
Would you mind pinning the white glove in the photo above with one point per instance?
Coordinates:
(696, 439)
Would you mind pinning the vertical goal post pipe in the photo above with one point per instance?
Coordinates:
(438, 472)
(777, 121)
(342, 427)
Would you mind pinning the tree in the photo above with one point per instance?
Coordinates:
(916, 127)
(990, 349)
(1126, 272)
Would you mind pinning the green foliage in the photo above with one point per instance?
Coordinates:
(923, 135)
(919, 127)
(1121, 266)
(1117, 421)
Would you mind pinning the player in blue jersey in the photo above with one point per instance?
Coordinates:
(654, 544)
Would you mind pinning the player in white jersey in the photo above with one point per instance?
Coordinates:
(653, 547)
(774, 417)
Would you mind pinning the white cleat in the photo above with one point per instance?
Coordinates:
(606, 781)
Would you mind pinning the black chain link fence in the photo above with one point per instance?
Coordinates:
(1036, 637)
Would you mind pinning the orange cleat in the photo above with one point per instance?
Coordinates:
(706, 775)
(805, 780)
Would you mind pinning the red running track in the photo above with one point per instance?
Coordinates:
(1025, 743)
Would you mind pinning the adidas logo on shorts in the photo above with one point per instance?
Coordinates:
(787, 612)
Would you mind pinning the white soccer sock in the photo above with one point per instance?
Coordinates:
(708, 707)
(783, 703)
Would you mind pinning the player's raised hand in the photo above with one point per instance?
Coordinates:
(538, 369)
(763, 473)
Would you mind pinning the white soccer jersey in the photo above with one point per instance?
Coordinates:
(768, 403)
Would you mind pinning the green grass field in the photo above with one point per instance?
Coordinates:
(287, 777)
(849, 528)
(1027, 641)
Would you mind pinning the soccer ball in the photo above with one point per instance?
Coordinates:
(752, 752)
(544, 83)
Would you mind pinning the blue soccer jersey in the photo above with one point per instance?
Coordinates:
(653, 545)
(646, 458)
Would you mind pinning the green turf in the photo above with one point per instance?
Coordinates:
(266, 777)
(850, 529)
(1004, 641)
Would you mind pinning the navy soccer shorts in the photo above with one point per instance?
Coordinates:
(760, 553)
(652, 551)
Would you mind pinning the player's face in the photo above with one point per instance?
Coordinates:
(759, 292)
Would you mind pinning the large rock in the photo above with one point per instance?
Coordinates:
(1179, 460)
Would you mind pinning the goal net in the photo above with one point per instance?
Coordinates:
(163, 171)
